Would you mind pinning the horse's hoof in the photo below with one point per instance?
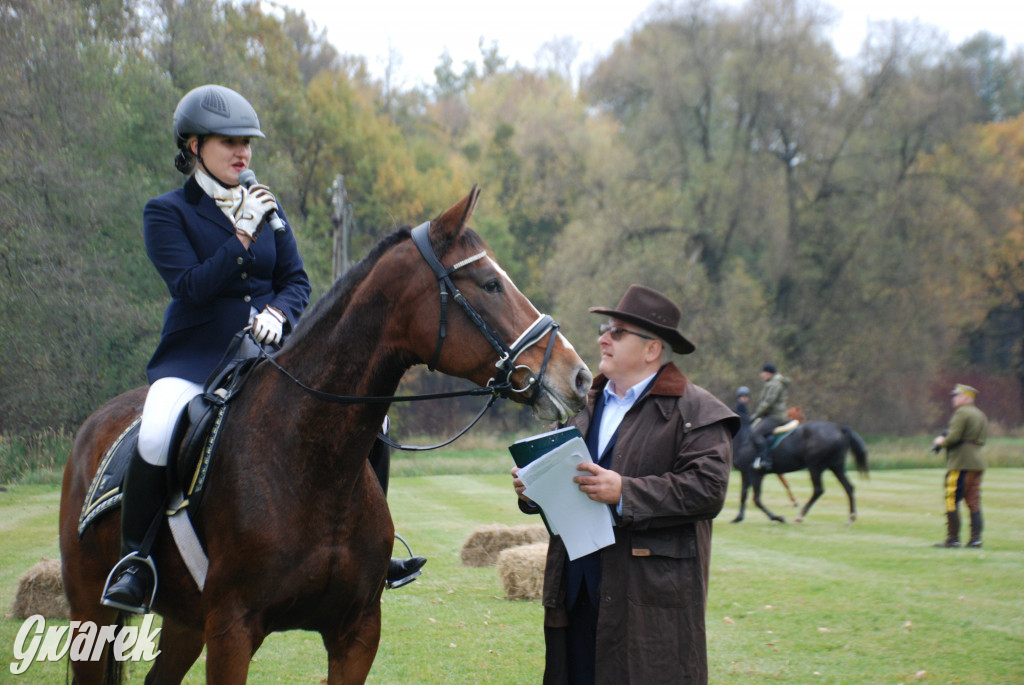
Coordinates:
(853, 517)
(780, 519)
(737, 519)
(798, 519)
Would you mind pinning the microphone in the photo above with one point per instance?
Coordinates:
(248, 178)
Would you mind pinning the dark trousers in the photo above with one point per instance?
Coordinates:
(763, 431)
(581, 636)
(572, 651)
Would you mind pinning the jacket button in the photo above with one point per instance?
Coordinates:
(246, 298)
(244, 275)
(239, 260)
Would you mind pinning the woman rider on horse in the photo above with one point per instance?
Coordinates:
(223, 272)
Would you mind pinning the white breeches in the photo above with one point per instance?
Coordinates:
(166, 398)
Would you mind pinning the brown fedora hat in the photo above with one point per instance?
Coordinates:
(653, 312)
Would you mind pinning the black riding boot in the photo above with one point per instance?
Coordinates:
(952, 530)
(132, 583)
(763, 462)
(976, 525)
(403, 571)
(400, 571)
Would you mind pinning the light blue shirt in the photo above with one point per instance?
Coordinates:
(615, 409)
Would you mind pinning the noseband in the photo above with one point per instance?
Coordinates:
(507, 355)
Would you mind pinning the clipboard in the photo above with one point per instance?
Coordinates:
(529, 449)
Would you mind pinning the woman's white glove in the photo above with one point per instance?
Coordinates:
(268, 326)
(251, 212)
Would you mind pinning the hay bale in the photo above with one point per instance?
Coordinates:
(41, 591)
(521, 570)
(485, 543)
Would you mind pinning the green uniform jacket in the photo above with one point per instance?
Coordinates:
(968, 429)
(773, 398)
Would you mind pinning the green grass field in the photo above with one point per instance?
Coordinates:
(818, 602)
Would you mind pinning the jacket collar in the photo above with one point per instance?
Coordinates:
(669, 382)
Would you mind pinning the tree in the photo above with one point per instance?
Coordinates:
(74, 88)
(975, 189)
(998, 80)
(761, 161)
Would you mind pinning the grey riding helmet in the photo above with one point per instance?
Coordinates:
(214, 109)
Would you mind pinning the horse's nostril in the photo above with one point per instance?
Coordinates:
(583, 380)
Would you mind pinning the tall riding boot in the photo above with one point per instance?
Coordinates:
(132, 583)
(763, 461)
(976, 525)
(400, 571)
(952, 530)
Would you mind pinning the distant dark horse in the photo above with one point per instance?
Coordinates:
(817, 446)
(294, 521)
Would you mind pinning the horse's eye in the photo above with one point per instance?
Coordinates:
(493, 287)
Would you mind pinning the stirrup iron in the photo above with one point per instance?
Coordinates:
(115, 572)
(392, 585)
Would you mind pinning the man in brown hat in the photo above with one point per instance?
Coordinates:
(963, 440)
(662, 446)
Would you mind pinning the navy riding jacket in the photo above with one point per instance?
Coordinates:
(213, 280)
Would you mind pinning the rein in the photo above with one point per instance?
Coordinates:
(499, 386)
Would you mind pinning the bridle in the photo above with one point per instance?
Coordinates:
(499, 386)
(507, 355)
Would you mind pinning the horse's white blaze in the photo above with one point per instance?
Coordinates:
(565, 342)
(512, 283)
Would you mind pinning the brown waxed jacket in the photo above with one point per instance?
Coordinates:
(674, 452)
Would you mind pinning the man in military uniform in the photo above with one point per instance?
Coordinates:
(963, 440)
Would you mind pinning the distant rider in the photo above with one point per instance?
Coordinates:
(742, 407)
(769, 414)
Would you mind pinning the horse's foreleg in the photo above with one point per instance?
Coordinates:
(231, 640)
(350, 652)
(179, 649)
(103, 670)
(84, 573)
(743, 497)
(819, 488)
(757, 500)
(848, 486)
(785, 484)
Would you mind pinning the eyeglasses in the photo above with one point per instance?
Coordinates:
(616, 332)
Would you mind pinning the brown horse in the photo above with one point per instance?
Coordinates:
(295, 524)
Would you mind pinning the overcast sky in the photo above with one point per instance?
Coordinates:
(421, 30)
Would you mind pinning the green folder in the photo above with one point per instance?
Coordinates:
(528, 449)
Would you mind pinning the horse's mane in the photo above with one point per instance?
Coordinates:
(336, 299)
(341, 291)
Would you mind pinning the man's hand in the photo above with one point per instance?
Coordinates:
(601, 485)
(518, 485)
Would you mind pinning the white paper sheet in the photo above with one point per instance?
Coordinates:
(584, 525)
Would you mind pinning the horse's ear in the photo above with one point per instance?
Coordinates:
(454, 219)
